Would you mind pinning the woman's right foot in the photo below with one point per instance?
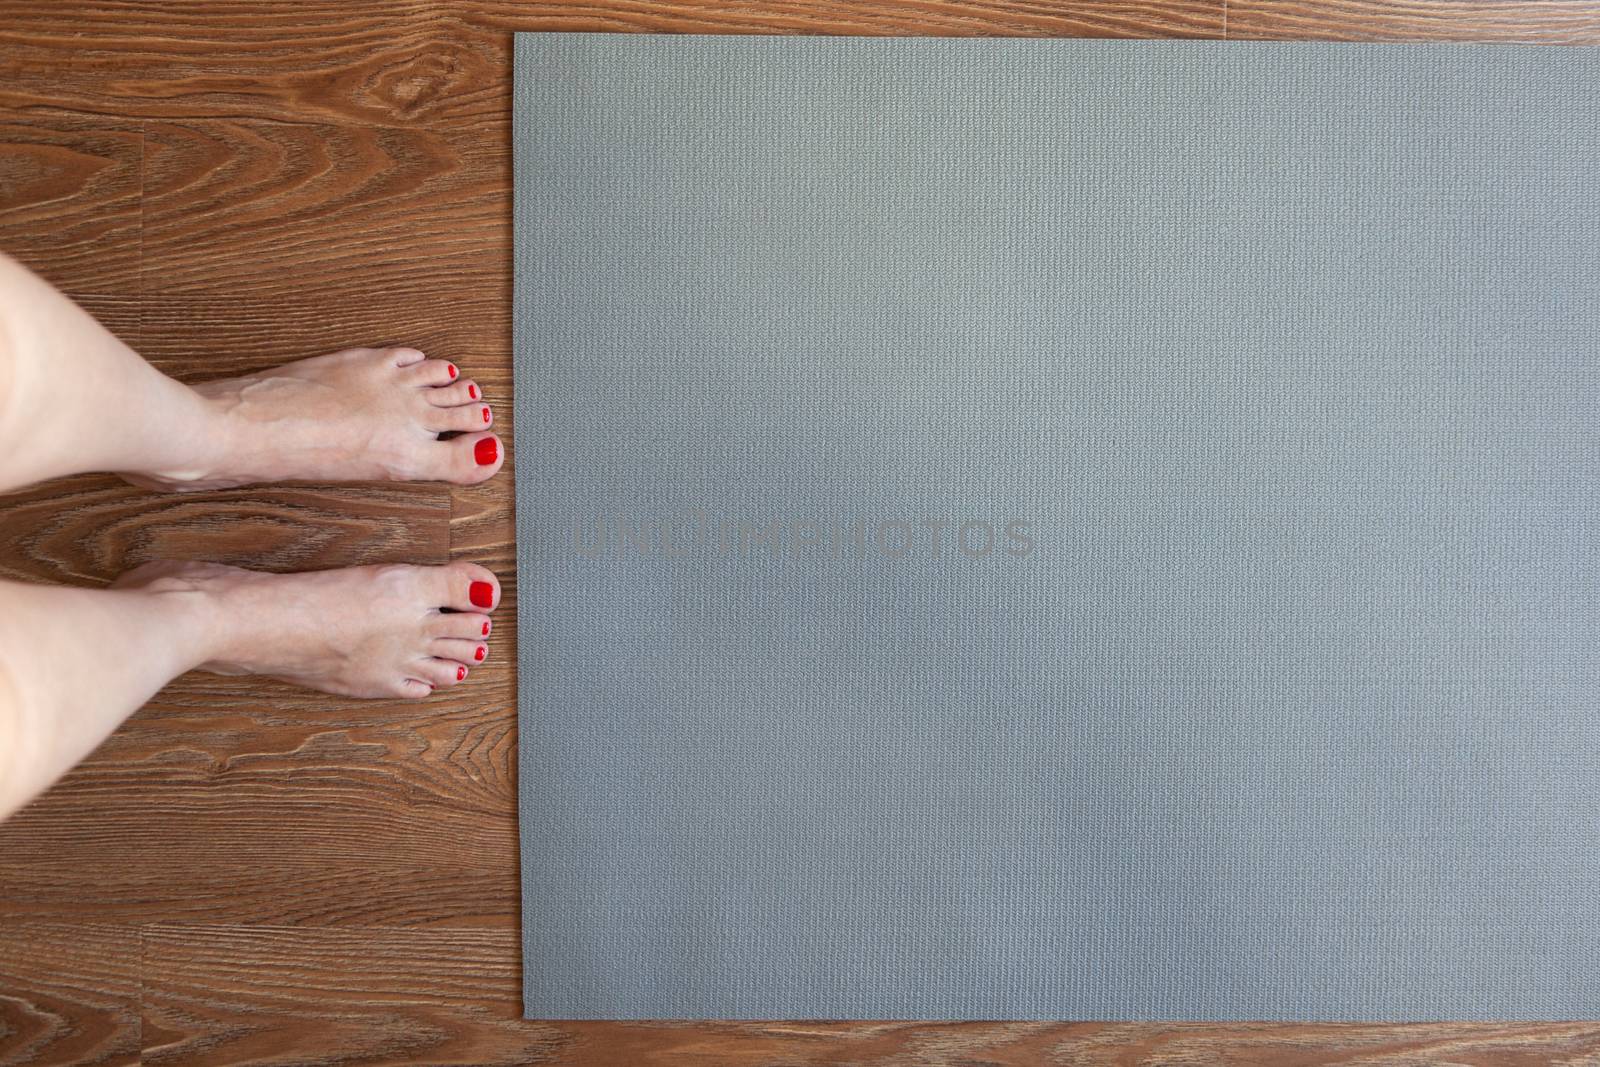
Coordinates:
(363, 414)
(385, 631)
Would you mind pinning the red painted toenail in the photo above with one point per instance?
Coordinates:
(452, 367)
(486, 629)
(461, 672)
(486, 451)
(472, 392)
(481, 594)
(485, 414)
(482, 652)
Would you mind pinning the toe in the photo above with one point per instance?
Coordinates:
(473, 457)
(459, 651)
(466, 459)
(463, 419)
(456, 393)
(467, 588)
(429, 372)
(466, 625)
(403, 357)
(413, 688)
(440, 673)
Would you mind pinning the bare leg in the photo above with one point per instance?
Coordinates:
(75, 662)
(73, 399)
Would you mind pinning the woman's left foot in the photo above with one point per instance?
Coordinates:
(363, 414)
(387, 631)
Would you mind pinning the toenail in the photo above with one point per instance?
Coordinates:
(481, 594)
(482, 652)
(485, 414)
(452, 368)
(472, 392)
(486, 629)
(461, 672)
(486, 451)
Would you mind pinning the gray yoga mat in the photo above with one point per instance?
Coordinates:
(1057, 529)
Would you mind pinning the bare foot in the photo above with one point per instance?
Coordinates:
(364, 414)
(389, 631)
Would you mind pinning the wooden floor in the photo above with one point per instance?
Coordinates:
(251, 873)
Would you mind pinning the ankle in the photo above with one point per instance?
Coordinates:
(203, 452)
(196, 606)
(216, 436)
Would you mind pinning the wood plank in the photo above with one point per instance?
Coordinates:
(69, 993)
(89, 529)
(199, 335)
(221, 994)
(363, 61)
(239, 800)
(935, 1044)
(1546, 22)
(346, 213)
(69, 201)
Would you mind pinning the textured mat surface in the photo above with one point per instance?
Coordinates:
(1056, 529)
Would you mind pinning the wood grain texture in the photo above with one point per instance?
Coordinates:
(89, 529)
(263, 995)
(422, 215)
(249, 802)
(1521, 21)
(71, 194)
(69, 993)
(250, 873)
